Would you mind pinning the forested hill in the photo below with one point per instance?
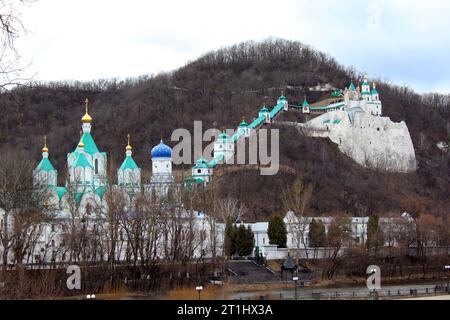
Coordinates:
(219, 89)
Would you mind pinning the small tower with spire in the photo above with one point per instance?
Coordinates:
(365, 89)
(129, 174)
(282, 100)
(162, 179)
(45, 174)
(86, 164)
(305, 106)
(244, 126)
(223, 147)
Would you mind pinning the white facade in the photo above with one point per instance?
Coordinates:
(224, 147)
(162, 178)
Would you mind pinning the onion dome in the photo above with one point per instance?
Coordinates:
(264, 109)
(86, 118)
(374, 90)
(243, 124)
(161, 151)
(223, 137)
(128, 147)
(201, 164)
(45, 149)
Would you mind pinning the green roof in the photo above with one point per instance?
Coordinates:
(352, 87)
(336, 93)
(89, 144)
(243, 124)
(45, 165)
(100, 191)
(60, 191)
(264, 109)
(78, 196)
(282, 98)
(82, 161)
(337, 121)
(128, 163)
(305, 103)
(191, 179)
(374, 91)
(214, 162)
(365, 83)
(201, 164)
(223, 137)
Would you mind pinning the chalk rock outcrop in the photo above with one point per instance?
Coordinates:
(372, 141)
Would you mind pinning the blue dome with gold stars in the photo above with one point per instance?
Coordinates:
(161, 151)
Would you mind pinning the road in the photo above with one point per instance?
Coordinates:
(391, 292)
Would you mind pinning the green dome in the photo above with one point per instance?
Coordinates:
(243, 124)
(282, 98)
(264, 109)
(201, 164)
(223, 137)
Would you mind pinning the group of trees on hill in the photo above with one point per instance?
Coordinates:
(219, 89)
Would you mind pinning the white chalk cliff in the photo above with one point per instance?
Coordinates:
(372, 141)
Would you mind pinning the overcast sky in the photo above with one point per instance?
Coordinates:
(406, 41)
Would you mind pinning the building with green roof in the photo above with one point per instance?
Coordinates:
(45, 174)
(86, 164)
(129, 174)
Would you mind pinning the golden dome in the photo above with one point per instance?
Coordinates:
(129, 148)
(86, 118)
(45, 149)
(81, 144)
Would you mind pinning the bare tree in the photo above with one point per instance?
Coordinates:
(24, 208)
(11, 26)
(295, 200)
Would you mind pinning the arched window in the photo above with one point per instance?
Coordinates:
(96, 166)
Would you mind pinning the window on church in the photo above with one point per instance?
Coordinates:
(199, 171)
(96, 166)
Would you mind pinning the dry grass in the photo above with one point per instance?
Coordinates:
(274, 265)
(210, 292)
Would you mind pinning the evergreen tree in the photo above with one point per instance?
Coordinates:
(245, 241)
(317, 235)
(230, 238)
(277, 231)
(373, 233)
